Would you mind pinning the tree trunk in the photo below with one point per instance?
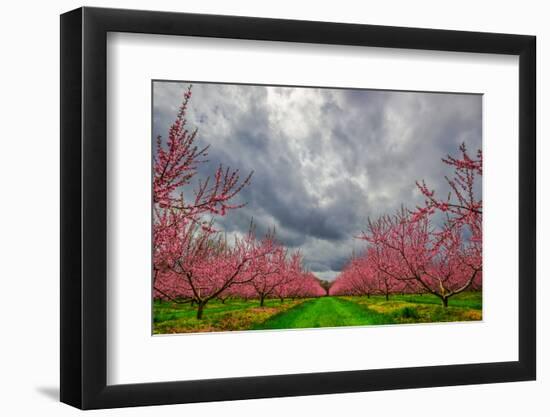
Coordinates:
(200, 310)
(282, 300)
(262, 301)
(445, 301)
(387, 297)
(368, 295)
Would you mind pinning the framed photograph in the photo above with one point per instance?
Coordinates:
(257, 208)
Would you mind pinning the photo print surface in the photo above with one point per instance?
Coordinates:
(279, 207)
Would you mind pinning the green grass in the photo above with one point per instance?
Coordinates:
(174, 311)
(325, 312)
(426, 308)
(232, 315)
(462, 300)
(313, 313)
(406, 313)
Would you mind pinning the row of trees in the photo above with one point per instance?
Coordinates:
(193, 262)
(436, 248)
(205, 267)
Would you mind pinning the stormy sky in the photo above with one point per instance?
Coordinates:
(324, 160)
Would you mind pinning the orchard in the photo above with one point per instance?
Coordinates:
(204, 280)
(409, 252)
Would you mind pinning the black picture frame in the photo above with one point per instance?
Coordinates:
(84, 207)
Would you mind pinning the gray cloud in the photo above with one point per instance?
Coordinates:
(323, 159)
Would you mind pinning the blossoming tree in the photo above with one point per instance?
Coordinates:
(444, 260)
(185, 248)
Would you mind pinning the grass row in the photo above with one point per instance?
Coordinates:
(232, 315)
(325, 312)
(425, 308)
(314, 313)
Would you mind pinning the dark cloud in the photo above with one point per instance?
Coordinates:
(323, 159)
